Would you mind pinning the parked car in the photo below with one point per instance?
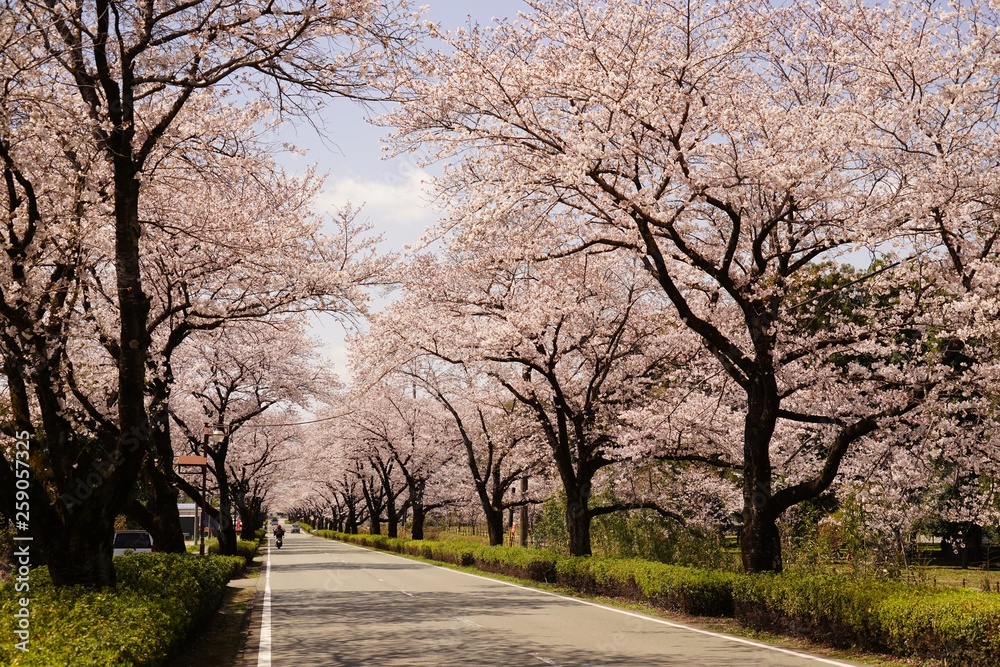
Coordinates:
(132, 541)
(295, 528)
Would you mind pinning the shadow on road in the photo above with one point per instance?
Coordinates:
(432, 629)
(327, 612)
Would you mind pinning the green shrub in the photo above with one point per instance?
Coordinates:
(211, 546)
(244, 548)
(247, 549)
(305, 526)
(452, 551)
(532, 564)
(690, 590)
(957, 626)
(158, 599)
(197, 584)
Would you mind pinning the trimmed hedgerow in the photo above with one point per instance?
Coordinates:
(247, 549)
(456, 553)
(158, 599)
(533, 564)
(957, 626)
(196, 584)
(686, 589)
(330, 535)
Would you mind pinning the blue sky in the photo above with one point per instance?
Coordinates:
(350, 152)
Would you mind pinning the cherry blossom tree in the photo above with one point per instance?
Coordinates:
(501, 446)
(326, 470)
(933, 114)
(241, 376)
(401, 438)
(574, 342)
(102, 104)
(253, 469)
(259, 275)
(276, 267)
(720, 146)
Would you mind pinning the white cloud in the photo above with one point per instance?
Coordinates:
(400, 198)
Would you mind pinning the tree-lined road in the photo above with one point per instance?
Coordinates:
(337, 604)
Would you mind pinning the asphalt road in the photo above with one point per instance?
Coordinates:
(328, 603)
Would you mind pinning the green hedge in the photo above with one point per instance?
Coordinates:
(534, 564)
(454, 552)
(961, 627)
(686, 589)
(956, 626)
(158, 599)
(305, 526)
(247, 549)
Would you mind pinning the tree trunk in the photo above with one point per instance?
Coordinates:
(165, 527)
(494, 524)
(760, 542)
(392, 519)
(240, 504)
(80, 552)
(160, 494)
(159, 514)
(252, 515)
(578, 521)
(351, 524)
(522, 520)
(416, 502)
(492, 505)
(391, 511)
(227, 527)
(136, 436)
(417, 531)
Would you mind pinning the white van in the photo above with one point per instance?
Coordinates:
(132, 541)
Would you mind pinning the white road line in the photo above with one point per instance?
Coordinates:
(679, 626)
(264, 652)
(469, 623)
(545, 660)
(392, 585)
